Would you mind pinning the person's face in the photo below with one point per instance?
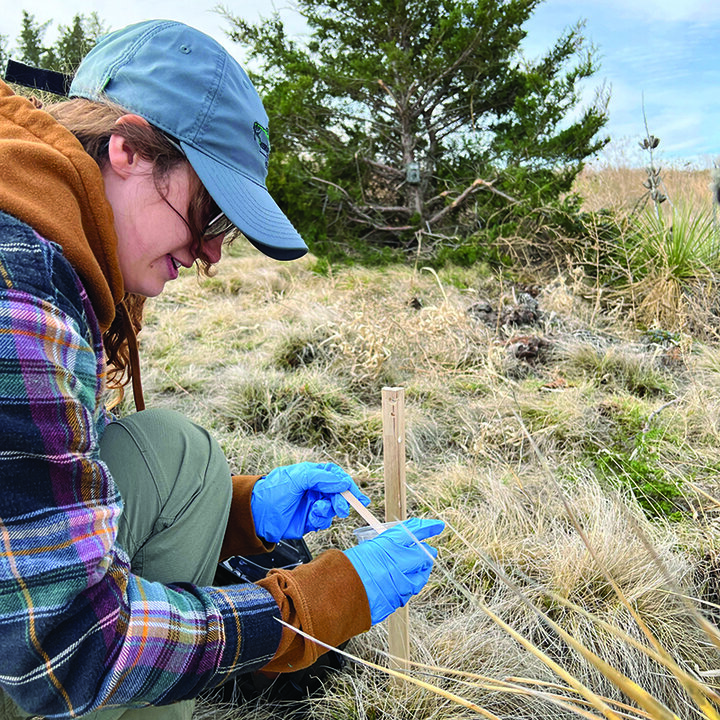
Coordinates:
(153, 238)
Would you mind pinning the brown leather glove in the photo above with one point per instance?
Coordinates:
(325, 598)
(240, 536)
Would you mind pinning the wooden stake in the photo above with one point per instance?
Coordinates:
(393, 412)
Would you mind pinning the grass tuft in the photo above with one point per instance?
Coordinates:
(556, 473)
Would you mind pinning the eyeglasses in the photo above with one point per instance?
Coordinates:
(219, 225)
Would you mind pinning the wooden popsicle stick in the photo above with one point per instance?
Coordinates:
(363, 512)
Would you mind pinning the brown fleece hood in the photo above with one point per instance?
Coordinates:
(49, 182)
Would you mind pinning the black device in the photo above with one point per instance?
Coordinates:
(293, 687)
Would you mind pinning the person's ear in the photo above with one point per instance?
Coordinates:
(122, 157)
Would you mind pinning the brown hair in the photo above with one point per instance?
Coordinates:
(93, 123)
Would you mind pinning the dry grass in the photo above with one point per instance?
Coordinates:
(519, 436)
(620, 188)
(657, 266)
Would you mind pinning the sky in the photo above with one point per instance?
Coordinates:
(662, 56)
(660, 59)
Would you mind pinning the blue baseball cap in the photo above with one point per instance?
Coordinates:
(186, 84)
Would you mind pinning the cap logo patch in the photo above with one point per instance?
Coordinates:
(262, 138)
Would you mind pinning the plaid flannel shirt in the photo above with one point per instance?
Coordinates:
(77, 628)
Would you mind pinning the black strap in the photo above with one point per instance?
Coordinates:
(37, 78)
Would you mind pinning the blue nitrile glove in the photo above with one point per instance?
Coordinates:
(393, 567)
(293, 500)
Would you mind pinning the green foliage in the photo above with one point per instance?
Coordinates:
(379, 89)
(30, 42)
(4, 52)
(683, 243)
(616, 369)
(76, 40)
(322, 267)
(477, 248)
(652, 260)
(657, 493)
(73, 42)
(629, 459)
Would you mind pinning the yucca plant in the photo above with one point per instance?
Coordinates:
(661, 254)
(682, 243)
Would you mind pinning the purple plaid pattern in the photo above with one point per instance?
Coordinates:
(77, 628)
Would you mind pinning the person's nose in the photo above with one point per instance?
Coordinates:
(212, 248)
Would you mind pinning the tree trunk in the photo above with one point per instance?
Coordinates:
(408, 141)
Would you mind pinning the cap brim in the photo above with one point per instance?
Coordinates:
(249, 207)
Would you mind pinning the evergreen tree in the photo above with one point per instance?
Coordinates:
(73, 43)
(4, 52)
(76, 40)
(407, 117)
(30, 43)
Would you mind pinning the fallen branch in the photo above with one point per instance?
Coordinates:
(465, 194)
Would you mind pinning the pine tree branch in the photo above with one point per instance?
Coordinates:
(362, 216)
(448, 72)
(383, 168)
(384, 228)
(360, 210)
(476, 185)
(399, 209)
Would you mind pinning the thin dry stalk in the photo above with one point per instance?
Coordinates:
(697, 691)
(397, 674)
